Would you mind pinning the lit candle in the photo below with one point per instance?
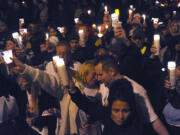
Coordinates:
(106, 26)
(157, 2)
(131, 6)
(130, 12)
(155, 20)
(76, 20)
(157, 43)
(7, 56)
(172, 74)
(21, 20)
(47, 36)
(94, 26)
(61, 68)
(144, 17)
(178, 5)
(81, 37)
(100, 35)
(89, 12)
(106, 10)
(174, 13)
(60, 29)
(15, 35)
(115, 19)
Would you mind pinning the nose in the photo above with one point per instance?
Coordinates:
(121, 116)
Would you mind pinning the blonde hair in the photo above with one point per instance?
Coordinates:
(80, 76)
(84, 70)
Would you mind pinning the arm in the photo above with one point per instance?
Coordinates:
(159, 127)
(95, 110)
(47, 82)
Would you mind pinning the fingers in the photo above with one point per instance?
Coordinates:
(167, 84)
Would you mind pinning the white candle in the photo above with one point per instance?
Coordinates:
(61, 68)
(157, 43)
(100, 35)
(178, 4)
(172, 74)
(115, 19)
(94, 26)
(106, 10)
(130, 12)
(131, 6)
(21, 20)
(81, 37)
(174, 13)
(60, 29)
(155, 20)
(15, 35)
(76, 20)
(106, 26)
(47, 36)
(144, 17)
(89, 12)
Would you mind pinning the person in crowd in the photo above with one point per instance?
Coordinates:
(172, 108)
(120, 116)
(39, 102)
(107, 71)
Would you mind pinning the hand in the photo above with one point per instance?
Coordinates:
(167, 84)
(85, 127)
(18, 66)
(119, 32)
(153, 51)
(29, 121)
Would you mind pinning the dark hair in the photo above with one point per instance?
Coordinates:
(122, 90)
(107, 61)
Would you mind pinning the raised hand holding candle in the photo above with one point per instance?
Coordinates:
(47, 36)
(61, 68)
(106, 10)
(172, 74)
(157, 43)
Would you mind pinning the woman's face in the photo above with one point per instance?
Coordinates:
(91, 78)
(120, 112)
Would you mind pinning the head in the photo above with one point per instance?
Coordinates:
(137, 17)
(43, 16)
(121, 102)
(137, 37)
(2, 26)
(63, 51)
(106, 68)
(74, 42)
(24, 82)
(52, 31)
(87, 74)
(10, 45)
(174, 26)
(52, 42)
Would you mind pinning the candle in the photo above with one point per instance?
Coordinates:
(115, 19)
(81, 37)
(155, 20)
(172, 74)
(157, 2)
(106, 10)
(89, 12)
(131, 6)
(47, 36)
(144, 17)
(76, 20)
(106, 26)
(178, 5)
(94, 26)
(60, 29)
(174, 13)
(157, 43)
(61, 68)
(15, 35)
(7, 55)
(100, 35)
(130, 12)
(21, 20)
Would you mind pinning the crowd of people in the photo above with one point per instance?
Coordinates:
(113, 78)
